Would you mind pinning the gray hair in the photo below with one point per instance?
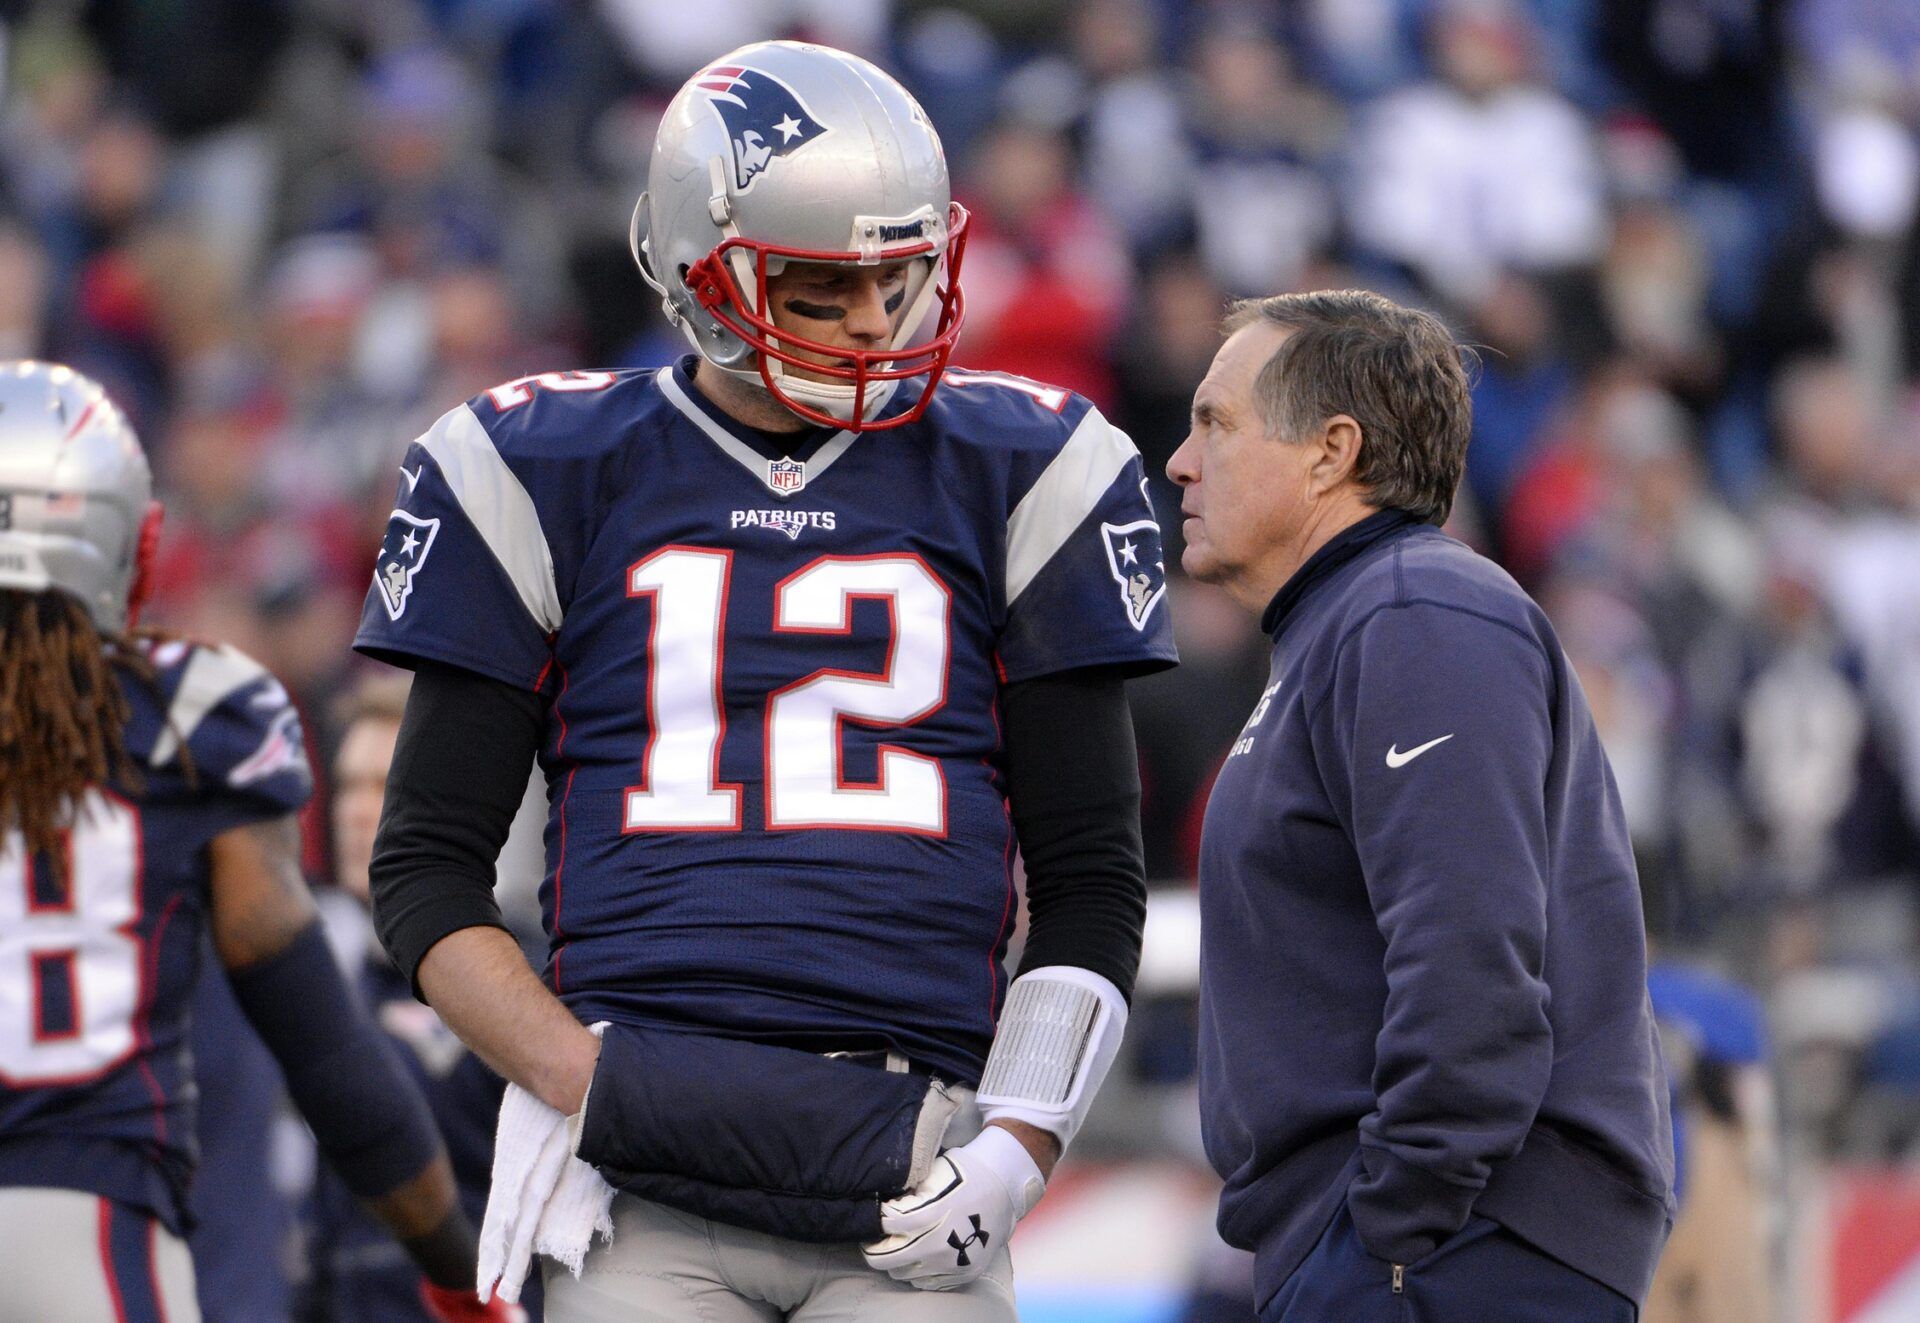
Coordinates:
(1398, 372)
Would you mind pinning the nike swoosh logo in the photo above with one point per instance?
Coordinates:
(413, 478)
(1397, 759)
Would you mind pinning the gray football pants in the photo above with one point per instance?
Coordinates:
(665, 1266)
(71, 1257)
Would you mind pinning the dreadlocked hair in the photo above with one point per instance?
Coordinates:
(63, 715)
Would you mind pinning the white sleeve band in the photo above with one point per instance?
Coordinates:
(1057, 1039)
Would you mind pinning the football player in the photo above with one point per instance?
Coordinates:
(358, 1271)
(807, 631)
(147, 793)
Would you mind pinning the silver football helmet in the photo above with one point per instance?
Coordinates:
(76, 498)
(782, 151)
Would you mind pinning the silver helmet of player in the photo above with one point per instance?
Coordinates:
(76, 497)
(782, 152)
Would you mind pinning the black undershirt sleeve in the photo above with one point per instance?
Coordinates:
(1073, 783)
(460, 769)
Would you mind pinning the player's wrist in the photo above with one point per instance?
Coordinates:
(426, 1217)
(569, 1073)
(1043, 1146)
(1006, 1155)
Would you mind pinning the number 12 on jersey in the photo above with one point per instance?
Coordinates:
(806, 787)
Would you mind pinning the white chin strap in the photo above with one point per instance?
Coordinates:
(833, 398)
(1057, 1039)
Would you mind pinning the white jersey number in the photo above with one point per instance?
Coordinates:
(805, 787)
(680, 774)
(79, 935)
(513, 394)
(805, 784)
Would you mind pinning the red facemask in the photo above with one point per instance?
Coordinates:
(713, 283)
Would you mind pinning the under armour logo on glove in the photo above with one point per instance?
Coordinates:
(978, 1237)
(982, 1188)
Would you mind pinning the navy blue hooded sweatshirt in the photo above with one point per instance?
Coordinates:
(1423, 968)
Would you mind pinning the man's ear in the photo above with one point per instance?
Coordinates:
(1336, 454)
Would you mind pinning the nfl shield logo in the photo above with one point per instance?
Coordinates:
(786, 476)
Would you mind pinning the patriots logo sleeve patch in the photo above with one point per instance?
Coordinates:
(281, 749)
(403, 554)
(764, 118)
(1138, 566)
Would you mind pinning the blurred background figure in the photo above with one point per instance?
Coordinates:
(1047, 276)
(1479, 167)
(358, 1273)
(1718, 1267)
(1683, 234)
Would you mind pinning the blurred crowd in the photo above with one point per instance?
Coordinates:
(1683, 236)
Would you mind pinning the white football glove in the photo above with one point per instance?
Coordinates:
(943, 1233)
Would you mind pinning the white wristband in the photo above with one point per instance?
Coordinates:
(1055, 1043)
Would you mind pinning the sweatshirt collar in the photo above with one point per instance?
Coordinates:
(1343, 547)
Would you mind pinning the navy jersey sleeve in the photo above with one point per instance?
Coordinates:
(245, 749)
(465, 575)
(1086, 576)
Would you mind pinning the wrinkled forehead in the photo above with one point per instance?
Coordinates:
(1238, 361)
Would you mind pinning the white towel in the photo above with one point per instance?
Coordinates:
(544, 1200)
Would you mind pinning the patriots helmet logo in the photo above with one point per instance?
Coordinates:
(764, 117)
(403, 552)
(1138, 565)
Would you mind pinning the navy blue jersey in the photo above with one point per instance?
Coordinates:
(98, 961)
(775, 809)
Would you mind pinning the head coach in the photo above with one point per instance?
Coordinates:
(1428, 1069)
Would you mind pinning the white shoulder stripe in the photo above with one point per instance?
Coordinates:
(211, 675)
(498, 507)
(1064, 496)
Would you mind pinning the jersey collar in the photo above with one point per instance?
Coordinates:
(784, 477)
